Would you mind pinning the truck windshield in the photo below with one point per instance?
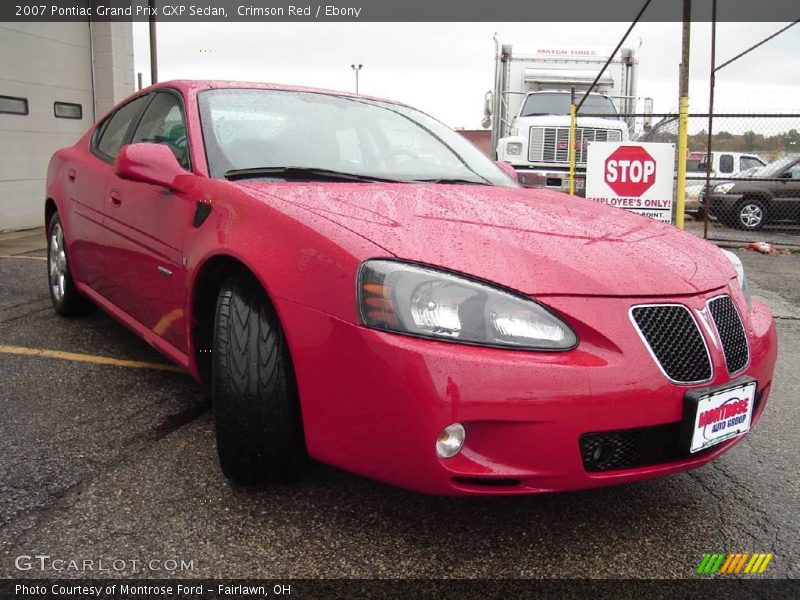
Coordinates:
(557, 103)
(283, 135)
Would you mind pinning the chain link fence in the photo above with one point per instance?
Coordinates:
(753, 194)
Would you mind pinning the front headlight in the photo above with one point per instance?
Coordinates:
(723, 188)
(514, 149)
(741, 277)
(422, 301)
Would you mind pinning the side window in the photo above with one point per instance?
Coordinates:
(115, 127)
(726, 163)
(794, 172)
(163, 123)
(748, 162)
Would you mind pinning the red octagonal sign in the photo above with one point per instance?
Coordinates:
(630, 171)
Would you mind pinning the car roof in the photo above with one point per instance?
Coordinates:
(187, 85)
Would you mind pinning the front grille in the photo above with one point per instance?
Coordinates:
(674, 339)
(630, 448)
(551, 144)
(731, 333)
(640, 447)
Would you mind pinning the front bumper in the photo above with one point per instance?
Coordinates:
(373, 402)
(721, 205)
(551, 179)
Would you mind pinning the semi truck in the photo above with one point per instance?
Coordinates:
(528, 109)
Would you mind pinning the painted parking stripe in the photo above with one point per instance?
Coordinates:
(89, 358)
(23, 257)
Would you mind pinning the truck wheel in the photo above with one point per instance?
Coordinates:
(256, 406)
(67, 301)
(750, 214)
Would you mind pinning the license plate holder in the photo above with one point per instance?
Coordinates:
(717, 414)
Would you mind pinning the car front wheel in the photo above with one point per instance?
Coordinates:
(67, 301)
(256, 407)
(750, 215)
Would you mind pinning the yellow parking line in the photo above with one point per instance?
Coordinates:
(88, 358)
(24, 257)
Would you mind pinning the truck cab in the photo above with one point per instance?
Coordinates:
(538, 144)
(528, 108)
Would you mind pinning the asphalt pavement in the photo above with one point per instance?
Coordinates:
(108, 463)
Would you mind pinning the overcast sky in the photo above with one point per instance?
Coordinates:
(445, 68)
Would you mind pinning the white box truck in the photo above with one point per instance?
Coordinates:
(528, 110)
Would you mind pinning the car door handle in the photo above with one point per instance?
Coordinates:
(71, 174)
(115, 199)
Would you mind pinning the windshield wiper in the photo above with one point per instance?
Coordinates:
(453, 180)
(306, 173)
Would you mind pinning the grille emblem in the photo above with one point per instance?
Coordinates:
(705, 321)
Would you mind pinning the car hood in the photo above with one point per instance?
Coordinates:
(535, 241)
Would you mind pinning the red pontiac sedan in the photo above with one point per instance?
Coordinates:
(357, 284)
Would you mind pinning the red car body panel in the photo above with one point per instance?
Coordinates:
(374, 402)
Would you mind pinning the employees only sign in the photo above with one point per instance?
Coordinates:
(636, 177)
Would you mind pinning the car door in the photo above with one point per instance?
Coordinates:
(87, 176)
(786, 199)
(146, 225)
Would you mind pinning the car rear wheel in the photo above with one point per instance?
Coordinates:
(750, 215)
(67, 301)
(256, 406)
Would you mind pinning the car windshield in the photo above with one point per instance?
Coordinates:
(774, 169)
(281, 134)
(557, 103)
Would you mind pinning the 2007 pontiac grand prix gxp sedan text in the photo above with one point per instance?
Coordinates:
(356, 283)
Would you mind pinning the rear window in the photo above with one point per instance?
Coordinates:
(726, 163)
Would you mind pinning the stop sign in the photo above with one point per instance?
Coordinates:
(630, 171)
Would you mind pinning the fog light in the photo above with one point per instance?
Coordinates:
(450, 441)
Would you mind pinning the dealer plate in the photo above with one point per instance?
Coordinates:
(718, 415)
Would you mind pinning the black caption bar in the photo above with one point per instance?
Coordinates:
(384, 589)
(393, 10)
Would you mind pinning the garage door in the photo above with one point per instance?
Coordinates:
(45, 104)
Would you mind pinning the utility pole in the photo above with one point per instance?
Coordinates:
(153, 43)
(356, 69)
(683, 115)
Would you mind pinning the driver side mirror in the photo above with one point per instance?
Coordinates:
(148, 163)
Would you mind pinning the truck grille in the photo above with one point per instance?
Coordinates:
(551, 144)
(675, 341)
(731, 333)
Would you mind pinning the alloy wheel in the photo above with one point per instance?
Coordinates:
(751, 215)
(57, 262)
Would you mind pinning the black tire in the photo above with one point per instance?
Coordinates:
(67, 300)
(256, 406)
(750, 215)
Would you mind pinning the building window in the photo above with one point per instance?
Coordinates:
(67, 110)
(13, 106)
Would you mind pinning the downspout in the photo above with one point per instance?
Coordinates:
(91, 56)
